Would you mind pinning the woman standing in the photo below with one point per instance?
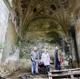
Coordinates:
(46, 60)
(56, 60)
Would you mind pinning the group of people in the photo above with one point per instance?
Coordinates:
(45, 59)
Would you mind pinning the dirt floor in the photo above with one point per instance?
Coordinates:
(23, 74)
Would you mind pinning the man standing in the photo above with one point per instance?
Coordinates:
(34, 59)
(46, 60)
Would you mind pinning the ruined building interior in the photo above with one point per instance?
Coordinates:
(41, 23)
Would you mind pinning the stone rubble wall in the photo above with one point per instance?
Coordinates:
(11, 66)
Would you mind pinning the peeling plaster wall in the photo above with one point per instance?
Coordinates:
(7, 31)
(4, 14)
(10, 40)
(78, 35)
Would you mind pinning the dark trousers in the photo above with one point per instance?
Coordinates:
(47, 69)
(58, 67)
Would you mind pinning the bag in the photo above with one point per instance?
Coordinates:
(41, 64)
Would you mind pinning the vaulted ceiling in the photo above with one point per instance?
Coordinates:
(32, 9)
(59, 11)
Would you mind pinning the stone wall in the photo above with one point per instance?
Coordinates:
(78, 36)
(10, 40)
(11, 66)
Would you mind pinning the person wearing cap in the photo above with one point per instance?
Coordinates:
(56, 59)
(34, 59)
(45, 58)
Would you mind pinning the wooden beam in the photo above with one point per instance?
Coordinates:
(66, 73)
(55, 71)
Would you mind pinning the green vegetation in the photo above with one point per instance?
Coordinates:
(45, 21)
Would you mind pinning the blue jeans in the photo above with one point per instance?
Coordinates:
(34, 67)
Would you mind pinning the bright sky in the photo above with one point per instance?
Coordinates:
(4, 13)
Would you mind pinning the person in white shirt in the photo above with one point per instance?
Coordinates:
(45, 58)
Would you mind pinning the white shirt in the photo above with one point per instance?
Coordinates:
(45, 58)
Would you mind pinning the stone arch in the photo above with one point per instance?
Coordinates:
(77, 12)
(53, 19)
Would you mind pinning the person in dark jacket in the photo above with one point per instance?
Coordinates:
(56, 60)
